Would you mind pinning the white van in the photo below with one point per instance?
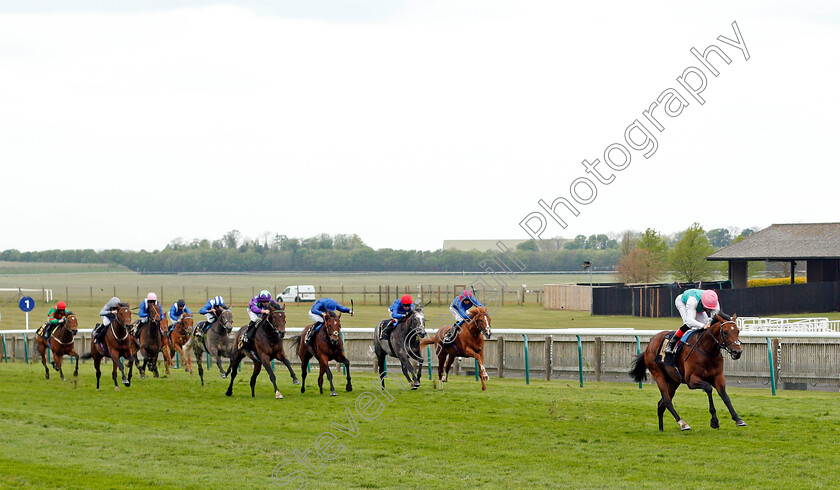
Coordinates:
(297, 294)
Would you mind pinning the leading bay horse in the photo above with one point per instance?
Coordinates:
(116, 344)
(61, 344)
(327, 345)
(468, 343)
(267, 345)
(150, 340)
(218, 342)
(404, 344)
(699, 364)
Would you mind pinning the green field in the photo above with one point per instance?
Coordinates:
(174, 433)
(17, 268)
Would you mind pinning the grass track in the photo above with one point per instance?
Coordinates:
(174, 433)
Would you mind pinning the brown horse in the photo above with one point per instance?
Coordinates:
(178, 338)
(699, 365)
(267, 344)
(327, 346)
(151, 342)
(117, 344)
(468, 343)
(61, 344)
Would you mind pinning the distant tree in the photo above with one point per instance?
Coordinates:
(688, 257)
(653, 242)
(231, 239)
(528, 246)
(748, 231)
(719, 237)
(628, 242)
(639, 266)
(578, 243)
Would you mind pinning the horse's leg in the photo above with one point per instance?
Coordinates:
(198, 353)
(57, 358)
(131, 361)
(75, 354)
(342, 359)
(257, 367)
(218, 356)
(97, 361)
(42, 350)
(237, 358)
(720, 386)
(266, 362)
(482, 373)
(167, 358)
(285, 361)
(441, 362)
(115, 363)
(303, 361)
(325, 369)
(695, 382)
(449, 361)
(407, 369)
(381, 357)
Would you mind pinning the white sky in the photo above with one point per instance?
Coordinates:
(405, 122)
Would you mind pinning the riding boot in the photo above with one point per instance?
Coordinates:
(311, 334)
(386, 330)
(97, 333)
(452, 333)
(672, 344)
(246, 336)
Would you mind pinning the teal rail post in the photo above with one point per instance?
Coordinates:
(208, 360)
(527, 363)
(272, 364)
(476, 369)
(49, 354)
(428, 354)
(638, 351)
(309, 366)
(177, 361)
(26, 349)
(772, 367)
(6, 356)
(580, 361)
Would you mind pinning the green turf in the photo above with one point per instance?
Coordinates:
(174, 433)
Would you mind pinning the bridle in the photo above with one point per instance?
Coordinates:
(719, 342)
(484, 330)
(268, 319)
(64, 326)
(118, 319)
(334, 336)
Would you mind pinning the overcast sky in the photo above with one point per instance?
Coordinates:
(128, 124)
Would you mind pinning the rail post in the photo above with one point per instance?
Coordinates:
(6, 356)
(428, 354)
(580, 360)
(26, 349)
(549, 357)
(343, 367)
(638, 351)
(177, 361)
(501, 342)
(772, 367)
(476, 369)
(527, 365)
(208, 359)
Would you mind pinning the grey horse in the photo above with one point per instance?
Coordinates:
(404, 344)
(218, 341)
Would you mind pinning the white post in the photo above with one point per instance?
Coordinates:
(27, 320)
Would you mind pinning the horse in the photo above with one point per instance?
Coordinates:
(179, 338)
(117, 343)
(166, 344)
(404, 344)
(327, 345)
(217, 341)
(151, 342)
(468, 343)
(61, 344)
(267, 342)
(699, 364)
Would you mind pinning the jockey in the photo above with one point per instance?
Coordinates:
(107, 313)
(176, 311)
(459, 309)
(209, 309)
(696, 307)
(147, 304)
(400, 309)
(55, 317)
(256, 308)
(322, 307)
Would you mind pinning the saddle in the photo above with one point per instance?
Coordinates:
(201, 328)
(42, 331)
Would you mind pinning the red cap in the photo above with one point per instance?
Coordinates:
(61, 305)
(406, 299)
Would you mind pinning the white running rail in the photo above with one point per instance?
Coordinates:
(812, 324)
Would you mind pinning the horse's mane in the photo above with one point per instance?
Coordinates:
(124, 304)
(477, 310)
(333, 313)
(69, 312)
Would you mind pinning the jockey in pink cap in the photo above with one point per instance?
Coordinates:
(696, 307)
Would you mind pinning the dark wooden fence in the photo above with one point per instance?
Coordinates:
(658, 300)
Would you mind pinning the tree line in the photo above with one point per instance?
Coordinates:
(348, 253)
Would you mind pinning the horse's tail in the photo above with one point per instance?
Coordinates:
(431, 340)
(296, 342)
(638, 371)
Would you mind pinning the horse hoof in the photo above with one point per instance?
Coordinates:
(229, 393)
(278, 395)
(224, 376)
(740, 423)
(295, 381)
(683, 425)
(332, 393)
(349, 388)
(116, 388)
(714, 424)
(63, 379)
(414, 387)
(47, 376)
(142, 376)
(302, 389)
